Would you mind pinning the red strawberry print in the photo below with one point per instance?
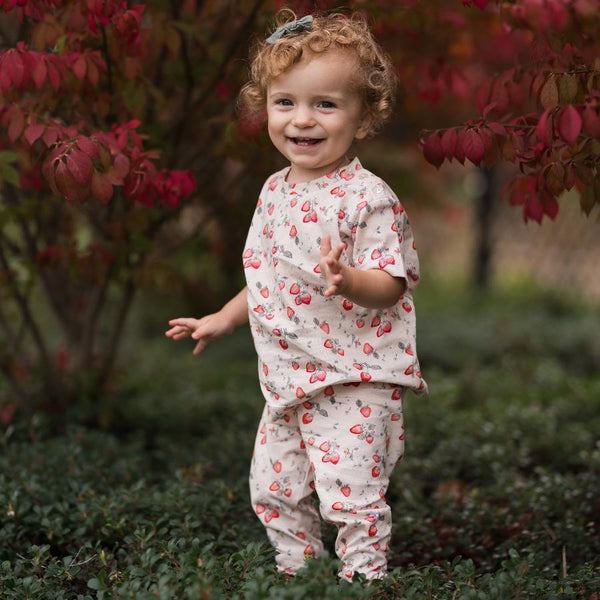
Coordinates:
(260, 509)
(318, 376)
(290, 312)
(396, 394)
(274, 487)
(301, 535)
(356, 429)
(365, 411)
(388, 259)
(309, 550)
(406, 306)
(332, 457)
(372, 531)
(384, 328)
(294, 289)
(264, 292)
(365, 377)
(329, 391)
(283, 344)
(293, 231)
(277, 466)
(307, 418)
(325, 327)
(300, 393)
(360, 323)
(347, 304)
(325, 446)
(375, 471)
(367, 348)
(303, 298)
(346, 490)
(272, 514)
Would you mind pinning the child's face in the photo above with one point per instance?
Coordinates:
(314, 113)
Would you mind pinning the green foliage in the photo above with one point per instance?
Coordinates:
(497, 497)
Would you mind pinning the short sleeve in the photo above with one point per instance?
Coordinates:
(383, 238)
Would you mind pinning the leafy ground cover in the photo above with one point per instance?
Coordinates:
(498, 496)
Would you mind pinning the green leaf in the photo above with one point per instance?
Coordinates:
(9, 174)
(95, 584)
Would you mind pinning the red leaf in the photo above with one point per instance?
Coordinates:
(102, 188)
(65, 183)
(591, 122)
(80, 166)
(34, 132)
(53, 76)
(121, 165)
(432, 149)
(16, 124)
(544, 128)
(498, 129)
(87, 146)
(448, 141)
(550, 206)
(569, 124)
(534, 208)
(80, 67)
(92, 72)
(50, 136)
(16, 68)
(473, 146)
(48, 173)
(40, 72)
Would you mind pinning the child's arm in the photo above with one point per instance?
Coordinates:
(212, 327)
(373, 288)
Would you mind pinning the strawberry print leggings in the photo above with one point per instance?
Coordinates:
(343, 444)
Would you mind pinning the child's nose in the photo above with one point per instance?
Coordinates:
(303, 117)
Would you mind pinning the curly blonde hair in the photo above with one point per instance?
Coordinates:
(375, 75)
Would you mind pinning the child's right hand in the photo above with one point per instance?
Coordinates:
(205, 330)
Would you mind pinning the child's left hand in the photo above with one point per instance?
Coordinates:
(332, 269)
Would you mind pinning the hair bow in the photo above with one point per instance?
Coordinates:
(302, 24)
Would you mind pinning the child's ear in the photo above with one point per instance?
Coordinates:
(364, 127)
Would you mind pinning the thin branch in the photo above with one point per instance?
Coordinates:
(117, 332)
(32, 326)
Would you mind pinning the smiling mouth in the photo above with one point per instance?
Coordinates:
(305, 141)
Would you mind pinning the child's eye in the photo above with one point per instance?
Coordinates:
(326, 104)
(283, 102)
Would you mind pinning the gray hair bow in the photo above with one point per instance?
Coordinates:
(302, 24)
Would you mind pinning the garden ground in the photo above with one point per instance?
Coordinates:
(498, 496)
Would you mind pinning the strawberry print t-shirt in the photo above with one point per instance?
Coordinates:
(305, 341)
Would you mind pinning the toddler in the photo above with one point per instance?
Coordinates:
(330, 266)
